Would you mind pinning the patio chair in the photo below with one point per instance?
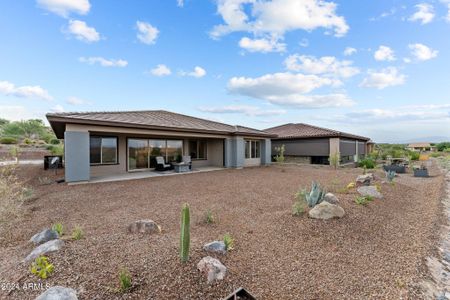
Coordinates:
(161, 165)
(187, 160)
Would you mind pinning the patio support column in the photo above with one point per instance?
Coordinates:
(335, 146)
(266, 152)
(356, 158)
(227, 153)
(76, 156)
(234, 150)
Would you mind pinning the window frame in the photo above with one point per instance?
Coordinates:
(252, 149)
(197, 141)
(101, 163)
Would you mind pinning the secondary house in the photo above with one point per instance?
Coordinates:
(105, 143)
(313, 145)
(421, 147)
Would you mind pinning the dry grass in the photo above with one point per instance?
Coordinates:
(12, 194)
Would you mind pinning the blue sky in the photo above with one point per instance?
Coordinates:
(375, 68)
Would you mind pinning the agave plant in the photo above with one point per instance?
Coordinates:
(316, 195)
(390, 175)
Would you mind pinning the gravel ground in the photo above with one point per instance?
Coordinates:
(375, 252)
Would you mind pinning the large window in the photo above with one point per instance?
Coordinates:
(103, 150)
(197, 149)
(142, 153)
(252, 149)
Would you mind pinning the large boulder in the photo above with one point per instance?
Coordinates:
(144, 226)
(50, 246)
(331, 198)
(326, 210)
(216, 246)
(371, 191)
(212, 268)
(44, 236)
(58, 293)
(364, 179)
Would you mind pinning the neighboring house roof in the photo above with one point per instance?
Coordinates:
(419, 145)
(303, 131)
(150, 119)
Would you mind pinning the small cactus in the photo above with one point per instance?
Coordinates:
(185, 237)
(390, 175)
(316, 195)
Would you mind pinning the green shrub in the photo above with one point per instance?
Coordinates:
(363, 200)
(334, 160)
(443, 146)
(77, 233)
(209, 217)
(279, 158)
(367, 163)
(8, 140)
(41, 267)
(55, 149)
(59, 228)
(313, 197)
(55, 141)
(299, 207)
(27, 141)
(124, 280)
(413, 155)
(390, 175)
(228, 241)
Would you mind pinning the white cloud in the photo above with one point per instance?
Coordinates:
(83, 32)
(243, 109)
(27, 91)
(349, 51)
(327, 65)
(104, 62)
(263, 45)
(77, 101)
(289, 89)
(57, 108)
(147, 33)
(161, 70)
(422, 52)
(384, 53)
(180, 3)
(65, 7)
(197, 73)
(382, 79)
(397, 114)
(424, 13)
(277, 17)
(18, 112)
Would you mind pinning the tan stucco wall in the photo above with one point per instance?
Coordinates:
(334, 145)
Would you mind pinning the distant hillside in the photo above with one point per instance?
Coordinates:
(426, 139)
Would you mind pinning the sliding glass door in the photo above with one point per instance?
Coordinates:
(142, 153)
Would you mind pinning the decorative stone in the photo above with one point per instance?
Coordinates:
(212, 268)
(58, 293)
(326, 210)
(144, 226)
(370, 191)
(216, 246)
(364, 179)
(331, 198)
(44, 236)
(50, 246)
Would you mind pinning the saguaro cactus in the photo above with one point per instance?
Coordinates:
(185, 237)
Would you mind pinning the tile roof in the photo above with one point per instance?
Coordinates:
(155, 119)
(419, 145)
(301, 130)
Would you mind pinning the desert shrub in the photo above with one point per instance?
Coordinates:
(27, 141)
(77, 233)
(436, 154)
(413, 155)
(367, 163)
(314, 196)
(8, 140)
(228, 241)
(390, 175)
(55, 141)
(59, 228)
(124, 280)
(279, 158)
(334, 160)
(55, 149)
(45, 180)
(363, 200)
(446, 150)
(442, 146)
(12, 194)
(299, 207)
(41, 267)
(209, 217)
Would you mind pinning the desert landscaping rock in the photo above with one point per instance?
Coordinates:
(144, 226)
(326, 210)
(364, 179)
(370, 191)
(331, 198)
(212, 268)
(44, 236)
(216, 246)
(58, 293)
(50, 246)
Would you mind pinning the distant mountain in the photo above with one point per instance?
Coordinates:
(426, 139)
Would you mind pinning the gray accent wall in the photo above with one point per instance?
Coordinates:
(234, 152)
(347, 147)
(361, 148)
(303, 147)
(266, 152)
(76, 156)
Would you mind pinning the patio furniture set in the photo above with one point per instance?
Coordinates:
(185, 165)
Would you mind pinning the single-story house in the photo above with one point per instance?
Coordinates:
(421, 147)
(311, 144)
(107, 143)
